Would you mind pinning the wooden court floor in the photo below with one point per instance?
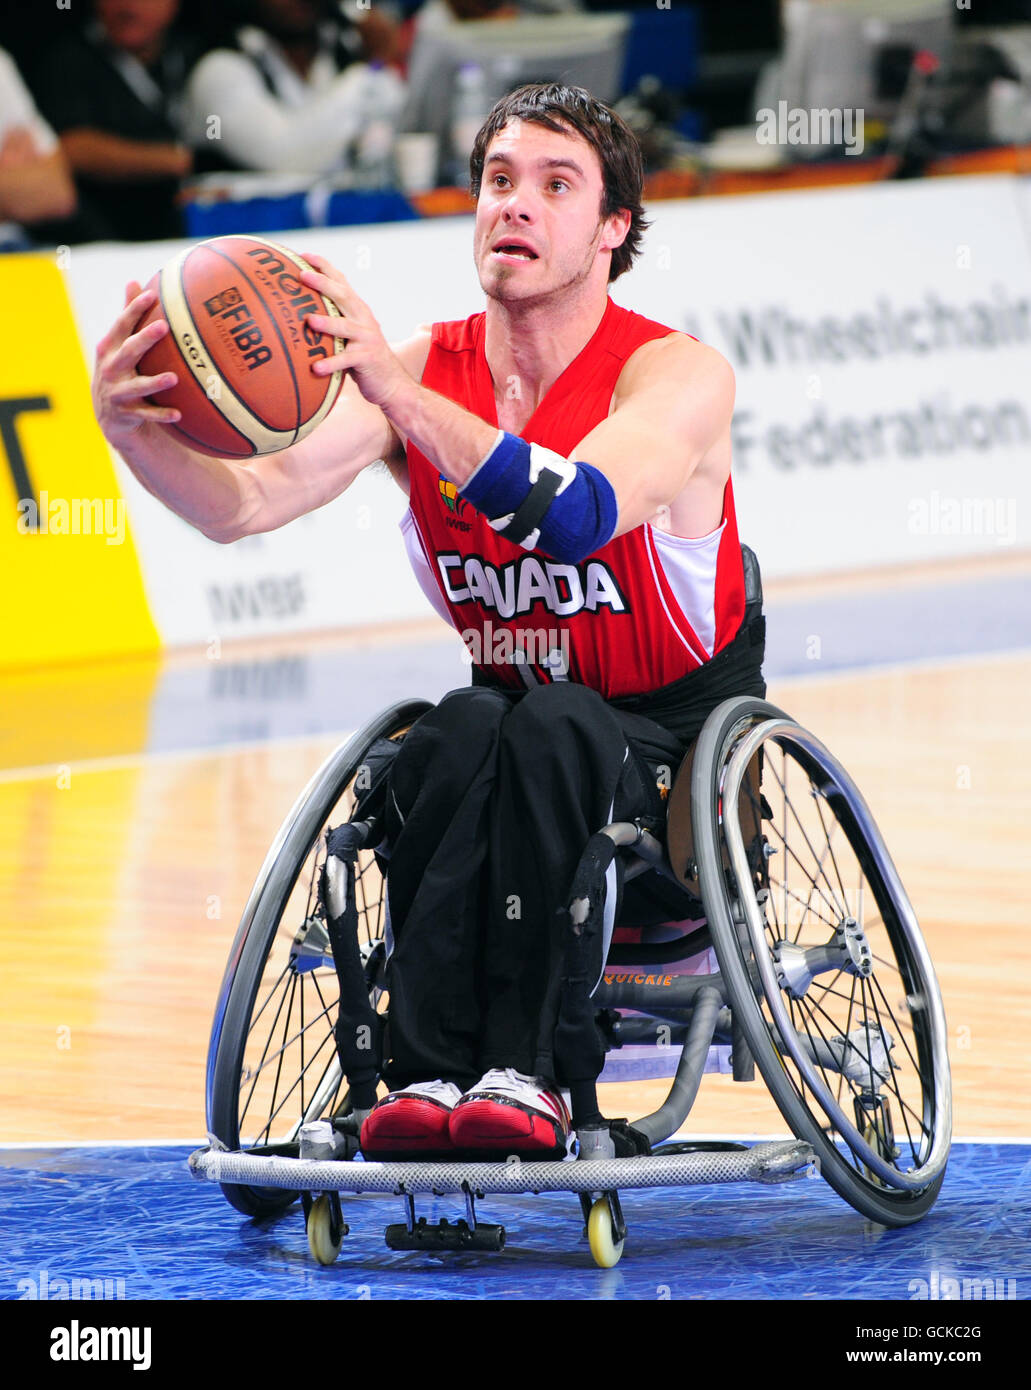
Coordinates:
(121, 881)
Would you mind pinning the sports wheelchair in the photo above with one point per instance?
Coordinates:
(824, 984)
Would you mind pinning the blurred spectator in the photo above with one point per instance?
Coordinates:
(437, 14)
(35, 185)
(297, 90)
(112, 94)
(853, 55)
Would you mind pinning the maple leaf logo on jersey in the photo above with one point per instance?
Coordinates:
(449, 492)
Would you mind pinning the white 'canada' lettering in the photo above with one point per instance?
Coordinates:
(513, 588)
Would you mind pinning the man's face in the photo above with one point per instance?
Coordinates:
(542, 189)
(135, 25)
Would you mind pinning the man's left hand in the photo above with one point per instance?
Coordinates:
(376, 370)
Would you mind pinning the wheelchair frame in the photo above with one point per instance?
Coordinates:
(756, 1002)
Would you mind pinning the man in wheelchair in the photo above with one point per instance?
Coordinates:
(489, 805)
(599, 507)
(567, 463)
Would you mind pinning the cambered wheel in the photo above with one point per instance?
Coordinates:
(827, 969)
(272, 1060)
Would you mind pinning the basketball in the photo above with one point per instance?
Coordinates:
(241, 347)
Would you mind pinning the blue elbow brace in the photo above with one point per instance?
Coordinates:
(539, 500)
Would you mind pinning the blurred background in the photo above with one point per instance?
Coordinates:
(176, 117)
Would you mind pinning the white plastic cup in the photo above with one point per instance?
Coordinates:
(416, 156)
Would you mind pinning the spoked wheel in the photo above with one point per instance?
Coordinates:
(824, 959)
(272, 1059)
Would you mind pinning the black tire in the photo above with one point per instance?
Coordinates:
(789, 1018)
(261, 977)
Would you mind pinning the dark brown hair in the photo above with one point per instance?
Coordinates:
(563, 108)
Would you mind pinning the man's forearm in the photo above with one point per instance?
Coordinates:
(453, 439)
(209, 493)
(533, 496)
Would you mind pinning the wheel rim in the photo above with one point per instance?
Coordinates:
(289, 1072)
(830, 868)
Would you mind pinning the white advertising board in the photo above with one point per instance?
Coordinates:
(881, 338)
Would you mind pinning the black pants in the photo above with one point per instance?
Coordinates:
(490, 804)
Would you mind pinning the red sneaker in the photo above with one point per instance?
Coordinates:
(411, 1123)
(511, 1113)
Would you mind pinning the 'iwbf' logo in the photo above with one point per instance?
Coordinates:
(450, 497)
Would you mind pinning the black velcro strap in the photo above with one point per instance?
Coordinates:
(530, 512)
(629, 1142)
(578, 1043)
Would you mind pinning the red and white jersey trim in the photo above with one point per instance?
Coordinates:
(688, 565)
(418, 558)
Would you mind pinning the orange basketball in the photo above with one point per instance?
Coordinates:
(241, 347)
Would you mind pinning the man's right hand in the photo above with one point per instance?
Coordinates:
(226, 499)
(119, 391)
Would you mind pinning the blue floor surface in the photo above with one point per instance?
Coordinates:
(135, 1214)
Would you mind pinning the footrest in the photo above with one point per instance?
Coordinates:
(442, 1235)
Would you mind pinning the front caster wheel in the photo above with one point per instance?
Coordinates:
(601, 1235)
(326, 1229)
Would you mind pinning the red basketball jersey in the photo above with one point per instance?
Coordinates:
(642, 611)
